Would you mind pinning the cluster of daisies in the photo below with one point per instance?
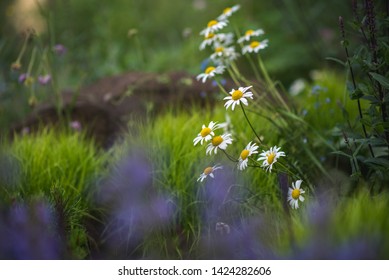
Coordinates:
(221, 142)
(223, 54)
(222, 44)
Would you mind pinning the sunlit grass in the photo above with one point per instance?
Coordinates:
(60, 167)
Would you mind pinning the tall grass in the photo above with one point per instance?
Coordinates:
(62, 168)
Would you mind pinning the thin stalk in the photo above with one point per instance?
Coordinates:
(221, 87)
(354, 83)
(270, 84)
(374, 50)
(231, 158)
(233, 76)
(256, 73)
(248, 121)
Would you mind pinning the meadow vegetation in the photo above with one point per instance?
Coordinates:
(293, 166)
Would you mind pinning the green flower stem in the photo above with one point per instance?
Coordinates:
(233, 76)
(271, 85)
(23, 48)
(256, 73)
(221, 87)
(231, 158)
(248, 121)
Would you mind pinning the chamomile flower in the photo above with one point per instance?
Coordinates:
(237, 96)
(224, 39)
(211, 71)
(270, 157)
(208, 40)
(227, 12)
(213, 26)
(219, 142)
(221, 51)
(255, 46)
(249, 34)
(209, 172)
(244, 155)
(295, 194)
(206, 133)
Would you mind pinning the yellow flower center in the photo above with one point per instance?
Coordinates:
(210, 36)
(219, 49)
(209, 69)
(205, 131)
(249, 32)
(217, 140)
(244, 154)
(227, 10)
(296, 193)
(254, 44)
(208, 170)
(212, 23)
(237, 94)
(270, 158)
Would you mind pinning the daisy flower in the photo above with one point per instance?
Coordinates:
(213, 26)
(295, 194)
(219, 142)
(222, 51)
(244, 155)
(255, 46)
(225, 39)
(208, 40)
(270, 157)
(209, 172)
(237, 96)
(249, 34)
(227, 12)
(220, 38)
(211, 71)
(206, 133)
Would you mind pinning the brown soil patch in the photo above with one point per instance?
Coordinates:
(104, 107)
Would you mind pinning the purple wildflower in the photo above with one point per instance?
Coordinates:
(44, 80)
(75, 125)
(60, 49)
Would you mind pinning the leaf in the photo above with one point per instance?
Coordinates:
(381, 79)
(336, 60)
(342, 154)
(356, 94)
(378, 162)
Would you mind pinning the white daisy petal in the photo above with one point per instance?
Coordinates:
(294, 194)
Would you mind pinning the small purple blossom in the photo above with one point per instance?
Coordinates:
(75, 125)
(44, 80)
(60, 49)
(25, 130)
(22, 78)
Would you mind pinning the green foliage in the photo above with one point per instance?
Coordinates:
(367, 139)
(61, 167)
(338, 223)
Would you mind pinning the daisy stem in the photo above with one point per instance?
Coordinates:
(221, 87)
(271, 84)
(288, 168)
(256, 73)
(230, 157)
(252, 128)
(254, 161)
(233, 76)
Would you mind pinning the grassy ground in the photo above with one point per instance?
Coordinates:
(142, 198)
